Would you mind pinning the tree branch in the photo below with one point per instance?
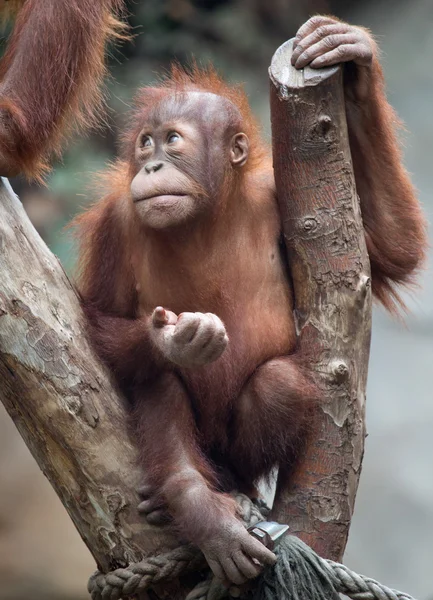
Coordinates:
(62, 400)
(331, 276)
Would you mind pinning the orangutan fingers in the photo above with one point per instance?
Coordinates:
(345, 53)
(323, 46)
(311, 25)
(325, 31)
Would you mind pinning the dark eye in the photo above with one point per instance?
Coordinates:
(146, 141)
(173, 137)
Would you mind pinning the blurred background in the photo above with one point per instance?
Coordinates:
(41, 554)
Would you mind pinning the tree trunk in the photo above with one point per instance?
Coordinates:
(331, 276)
(62, 400)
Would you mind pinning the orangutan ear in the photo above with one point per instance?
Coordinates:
(239, 148)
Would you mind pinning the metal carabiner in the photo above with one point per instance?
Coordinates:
(269, 533)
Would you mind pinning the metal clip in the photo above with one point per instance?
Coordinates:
(269, 533)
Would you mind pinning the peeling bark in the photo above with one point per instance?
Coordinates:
(62, 400)
(331, 276)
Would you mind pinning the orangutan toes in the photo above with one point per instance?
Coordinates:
(152, 507)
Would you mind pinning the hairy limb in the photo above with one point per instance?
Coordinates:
(137, 349)
(394, 223)
(271, 416)
(125, 345)
(50, 77)
(395, 227)
(174, 465)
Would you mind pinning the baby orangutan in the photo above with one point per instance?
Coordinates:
(188, 298)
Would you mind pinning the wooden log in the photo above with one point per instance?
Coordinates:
(330, 269)
(62, 400)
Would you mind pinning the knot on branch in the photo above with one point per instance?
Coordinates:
(310, 224)
(339, 371)
(324, 124)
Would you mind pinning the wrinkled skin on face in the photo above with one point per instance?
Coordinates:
(181, 156)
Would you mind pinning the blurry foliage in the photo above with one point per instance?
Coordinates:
(238, 36)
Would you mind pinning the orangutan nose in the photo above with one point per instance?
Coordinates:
(154, 166)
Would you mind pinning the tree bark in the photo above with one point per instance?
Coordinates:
(330, 269)
(62, 400)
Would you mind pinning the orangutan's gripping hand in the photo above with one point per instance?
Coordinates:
(326, 41)
(190, 339)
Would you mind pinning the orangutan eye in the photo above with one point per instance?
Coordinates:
(146, 141)
(173, 137)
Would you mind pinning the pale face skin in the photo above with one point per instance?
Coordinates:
(165, 196)
(173, 185)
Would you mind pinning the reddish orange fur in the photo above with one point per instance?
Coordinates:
(202, 431)
(395, 226)
(50, 76)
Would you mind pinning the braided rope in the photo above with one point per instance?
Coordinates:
(300, 574)
(137, 577)
(360, 587)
